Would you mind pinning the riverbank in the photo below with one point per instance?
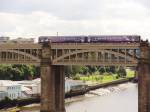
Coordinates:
(94, 94)
(89, 88)
(93, 86)
(119, 81)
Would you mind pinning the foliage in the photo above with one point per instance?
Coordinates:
(99, 78)
(130, 73)
(76, 77)
(121, 72)
(27, 72)
(71, 71)
(18, 72)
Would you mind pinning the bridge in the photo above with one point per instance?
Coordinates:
(52, 57)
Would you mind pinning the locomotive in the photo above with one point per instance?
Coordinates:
(91, 39)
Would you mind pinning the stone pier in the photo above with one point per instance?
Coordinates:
(47, 89)
(52, 84)
(59, 88)
(144, 79)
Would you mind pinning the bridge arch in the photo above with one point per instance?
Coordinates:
(96, 51)
(20, 53)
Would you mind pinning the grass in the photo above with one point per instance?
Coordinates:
(130, 73)
(99, 78)
(105, 78)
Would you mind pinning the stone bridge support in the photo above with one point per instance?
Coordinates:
(144, 79)
(59, 88)
(47, 89)
(52, 84)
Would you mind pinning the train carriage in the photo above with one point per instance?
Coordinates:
(62, 39)
(114, 39)
(91, 39)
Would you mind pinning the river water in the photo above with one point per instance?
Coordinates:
(125, 100)
(121, 98)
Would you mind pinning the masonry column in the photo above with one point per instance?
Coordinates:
(144, 79)
(47, 81)
(60, 89)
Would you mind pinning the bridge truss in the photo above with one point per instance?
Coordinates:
(20, 53)
(95, 54)
(71, 54)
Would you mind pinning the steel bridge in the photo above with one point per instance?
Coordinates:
(52, 57)
(71, 54)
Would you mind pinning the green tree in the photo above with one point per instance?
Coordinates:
(67, 71)
(101, 69)
(19, 72)
(113, 69)
(121, 72)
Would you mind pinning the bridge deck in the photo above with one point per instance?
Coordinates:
(70, 53)
(94, 45)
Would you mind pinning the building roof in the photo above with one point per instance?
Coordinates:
(23, 88)
(37, 80)
(29, 82)
(8, 83)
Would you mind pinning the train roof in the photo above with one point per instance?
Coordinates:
(113, 35)
(92, 36)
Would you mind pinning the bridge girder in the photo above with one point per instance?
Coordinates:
(20, 54)
(105, 54)
(75, 54)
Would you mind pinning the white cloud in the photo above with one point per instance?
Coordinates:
(76, 18)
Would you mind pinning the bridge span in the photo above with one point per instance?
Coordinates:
(52, 57)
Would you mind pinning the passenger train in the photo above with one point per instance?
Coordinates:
(91, 39)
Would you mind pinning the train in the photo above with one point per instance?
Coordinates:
(90, 39)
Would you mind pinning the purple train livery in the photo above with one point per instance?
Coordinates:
(91, 39)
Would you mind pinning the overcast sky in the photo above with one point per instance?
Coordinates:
(33, 18)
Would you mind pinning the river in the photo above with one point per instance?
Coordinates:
(121, 98)
(121, 101)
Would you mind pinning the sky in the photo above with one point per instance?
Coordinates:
(33, 18)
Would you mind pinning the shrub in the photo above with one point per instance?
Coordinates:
(117, 77)
(76, 77)
(106, 73)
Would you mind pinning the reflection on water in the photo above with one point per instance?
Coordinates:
(123, 101)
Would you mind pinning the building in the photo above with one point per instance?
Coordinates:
(34, 87)
(3, 94)
(20, 89)
(37, 82)
(12, 89)
(26, 92)
(4, 39)
(23, 40)
(67, 87)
